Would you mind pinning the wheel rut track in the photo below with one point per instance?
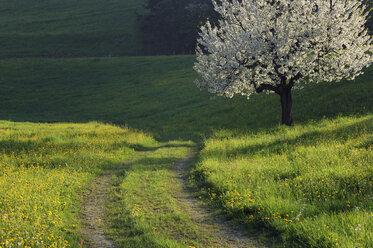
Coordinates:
(228, 235)
(94, 213)
(95, 200)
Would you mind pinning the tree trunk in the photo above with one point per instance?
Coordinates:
(286, 104)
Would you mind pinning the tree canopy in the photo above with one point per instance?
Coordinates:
(172, 26)
(274, 45)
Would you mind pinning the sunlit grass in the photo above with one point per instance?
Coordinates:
(42, 169)
(146, 212)
(151, 208)
(323, 165)
(311, 183)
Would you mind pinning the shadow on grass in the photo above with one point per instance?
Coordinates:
(139, 147)
(281, 145)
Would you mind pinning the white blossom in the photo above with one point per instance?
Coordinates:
(268, 45)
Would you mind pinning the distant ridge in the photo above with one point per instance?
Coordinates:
(69, 28)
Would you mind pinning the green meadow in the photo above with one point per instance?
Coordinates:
(309, 185)
(157, 94)
(53, 28)
(44, 168)
(75, 104)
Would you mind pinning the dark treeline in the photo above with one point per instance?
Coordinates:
(172, 26)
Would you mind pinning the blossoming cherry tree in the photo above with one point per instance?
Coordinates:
(274, 45)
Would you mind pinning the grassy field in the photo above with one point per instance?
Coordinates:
(307, 186)
(311, 184)
(156, 94)
(55, 28)
(152, 207)
(43, 167)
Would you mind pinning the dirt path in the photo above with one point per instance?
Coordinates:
(94, 211)
(225, 232)
(94, 207)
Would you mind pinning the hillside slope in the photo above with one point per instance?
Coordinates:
(156, 94)
(50, 28)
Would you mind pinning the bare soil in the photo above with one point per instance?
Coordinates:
(228, 234)
(94, 213)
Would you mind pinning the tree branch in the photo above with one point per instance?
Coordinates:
(266, 87)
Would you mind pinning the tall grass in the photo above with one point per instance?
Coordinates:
(43, 167)
(312, 184)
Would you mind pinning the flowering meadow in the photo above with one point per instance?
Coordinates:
(43, 168)
(311, 184)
